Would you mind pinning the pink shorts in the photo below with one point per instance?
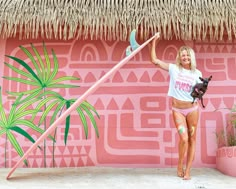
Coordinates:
(186, 111)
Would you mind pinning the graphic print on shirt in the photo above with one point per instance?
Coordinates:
(184, 83)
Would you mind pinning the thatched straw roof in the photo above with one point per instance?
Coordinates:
(114, 19)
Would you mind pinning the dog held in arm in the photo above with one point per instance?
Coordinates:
(200, 89)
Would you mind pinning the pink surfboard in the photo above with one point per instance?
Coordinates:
(91, 90)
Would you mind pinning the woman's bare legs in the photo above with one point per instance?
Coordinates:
(192, 121)
(180, 124)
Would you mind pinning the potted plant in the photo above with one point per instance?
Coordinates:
(226, 141)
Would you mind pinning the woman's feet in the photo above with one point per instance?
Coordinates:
(186, 175)
(180, 171)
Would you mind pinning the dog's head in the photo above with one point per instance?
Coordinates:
(205, 81)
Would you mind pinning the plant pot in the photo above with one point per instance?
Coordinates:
(225, 160)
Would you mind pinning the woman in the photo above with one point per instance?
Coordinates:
(183, 76)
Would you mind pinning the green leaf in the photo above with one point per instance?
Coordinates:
(31, 57)
(2, 131)
(25, 65)
(90, 107)
(20, 80)
(91, 117)
(26, 103)
(56, 112)
(65, 78)
(84, 121)
(27, 123)
(67, 124)
(41, 72)
(31, 97)
(27, 75)
(2, 112)
(23, 133)
(55, 69)
(16, 145)
(36, 91)
(51, 93)
(48, 63)
(2, 124)
(61, 86)
(44, 101)
(11, 115)
(31, 125)
(25, 113)
(47, 110)
(67, 129)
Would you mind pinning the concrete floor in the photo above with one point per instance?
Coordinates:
(113, 178)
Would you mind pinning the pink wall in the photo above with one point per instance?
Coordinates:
(136, 128)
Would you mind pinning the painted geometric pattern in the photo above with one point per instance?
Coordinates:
(136, 128)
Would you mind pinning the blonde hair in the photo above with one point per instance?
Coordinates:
(191, 53)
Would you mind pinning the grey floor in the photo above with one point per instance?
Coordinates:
(113, 178)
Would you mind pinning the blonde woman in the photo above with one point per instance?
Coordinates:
(183, 76)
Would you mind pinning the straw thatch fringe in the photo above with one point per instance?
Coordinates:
(114, 19)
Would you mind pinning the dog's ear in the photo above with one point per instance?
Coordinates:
(201, 78)
(210, 78)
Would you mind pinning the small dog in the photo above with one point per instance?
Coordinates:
(200, 89)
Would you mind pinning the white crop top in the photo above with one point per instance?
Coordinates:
(182, 82)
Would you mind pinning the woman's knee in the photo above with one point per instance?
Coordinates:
(184, 140)
(192, 132)
(183, 133)
(192, 139)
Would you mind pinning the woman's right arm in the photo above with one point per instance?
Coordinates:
(155, 60)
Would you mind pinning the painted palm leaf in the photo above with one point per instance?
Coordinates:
(57, 103)
(12, 124)
(41, 75)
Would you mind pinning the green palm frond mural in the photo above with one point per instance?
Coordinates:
(43, 74)
(57, 103)
(13, 123)
(41, 77)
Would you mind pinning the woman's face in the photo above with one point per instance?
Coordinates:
(185, 59)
